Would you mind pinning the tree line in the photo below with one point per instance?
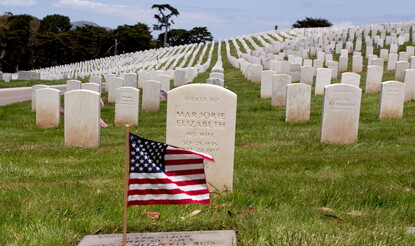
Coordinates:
(27, 43)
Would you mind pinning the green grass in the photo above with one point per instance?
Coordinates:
(302, 192)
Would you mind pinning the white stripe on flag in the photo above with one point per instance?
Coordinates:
(168, 197)
(167, 187)
(181, 157)
(164, 176)
(184, 167)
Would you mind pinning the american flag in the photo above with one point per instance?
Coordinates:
(165, 174)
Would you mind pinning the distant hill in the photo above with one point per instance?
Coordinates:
(82, 23)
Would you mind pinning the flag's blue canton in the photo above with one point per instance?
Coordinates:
(146, 156)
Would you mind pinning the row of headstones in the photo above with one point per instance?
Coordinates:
(130, 62)
(199, 116)
(341, 105)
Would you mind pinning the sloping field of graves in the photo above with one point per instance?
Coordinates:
(324, 150)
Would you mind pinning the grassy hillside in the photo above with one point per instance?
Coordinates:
(289, 189)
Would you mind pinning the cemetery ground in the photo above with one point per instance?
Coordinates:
(289, 189)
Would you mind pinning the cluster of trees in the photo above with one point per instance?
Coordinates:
(308, 22)
(27, 42)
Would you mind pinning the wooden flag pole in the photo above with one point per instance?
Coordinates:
(126, 178)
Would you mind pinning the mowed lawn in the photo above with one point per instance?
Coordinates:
(289, 189)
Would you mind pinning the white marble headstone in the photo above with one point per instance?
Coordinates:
(202, 117)
(151, 95)
(279, 91)
(34, 89)
(47, 107)
(297, 106)
(266, 83)
(82, 118)
(340, 116)
(127, 106)
(392, 95)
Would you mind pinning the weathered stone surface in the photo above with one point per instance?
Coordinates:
(295, 72)
(392, 95)
(297, 106)
(357, 64)
(91, 86)
(400, 68)
(151, 95)
(126, 106)
(307, 75)
(34, 89)
(217, 76)
(165, 82)
(323, 78)
(266, 83)
(47, 107)
(373, 81)
(179, 77)
(82, 118)
(351, 79)
(130, 80)
(189, 238)
(142, 76)
(202, 117)
(113, 84)
(279, 91)
(392, 60)
(409, 82)
(73, 84)
(218, 82)
(341, 110)
(256, 72)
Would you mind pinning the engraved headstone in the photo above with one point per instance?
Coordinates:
(297, 106)
(202, 117)
(82, 118)
(295, 72)
(340, 116)
(188, 238)
(126, 106)
(392, 94)
(47, 107)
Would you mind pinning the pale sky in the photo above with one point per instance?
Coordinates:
(224, 18)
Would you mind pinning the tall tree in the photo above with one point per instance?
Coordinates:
(312, 22)
(164, 20)
(55, 24)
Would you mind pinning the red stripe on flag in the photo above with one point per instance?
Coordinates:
(185, 172)
(167, 181)
(183, 201)
(167, 192)
(183, 161)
